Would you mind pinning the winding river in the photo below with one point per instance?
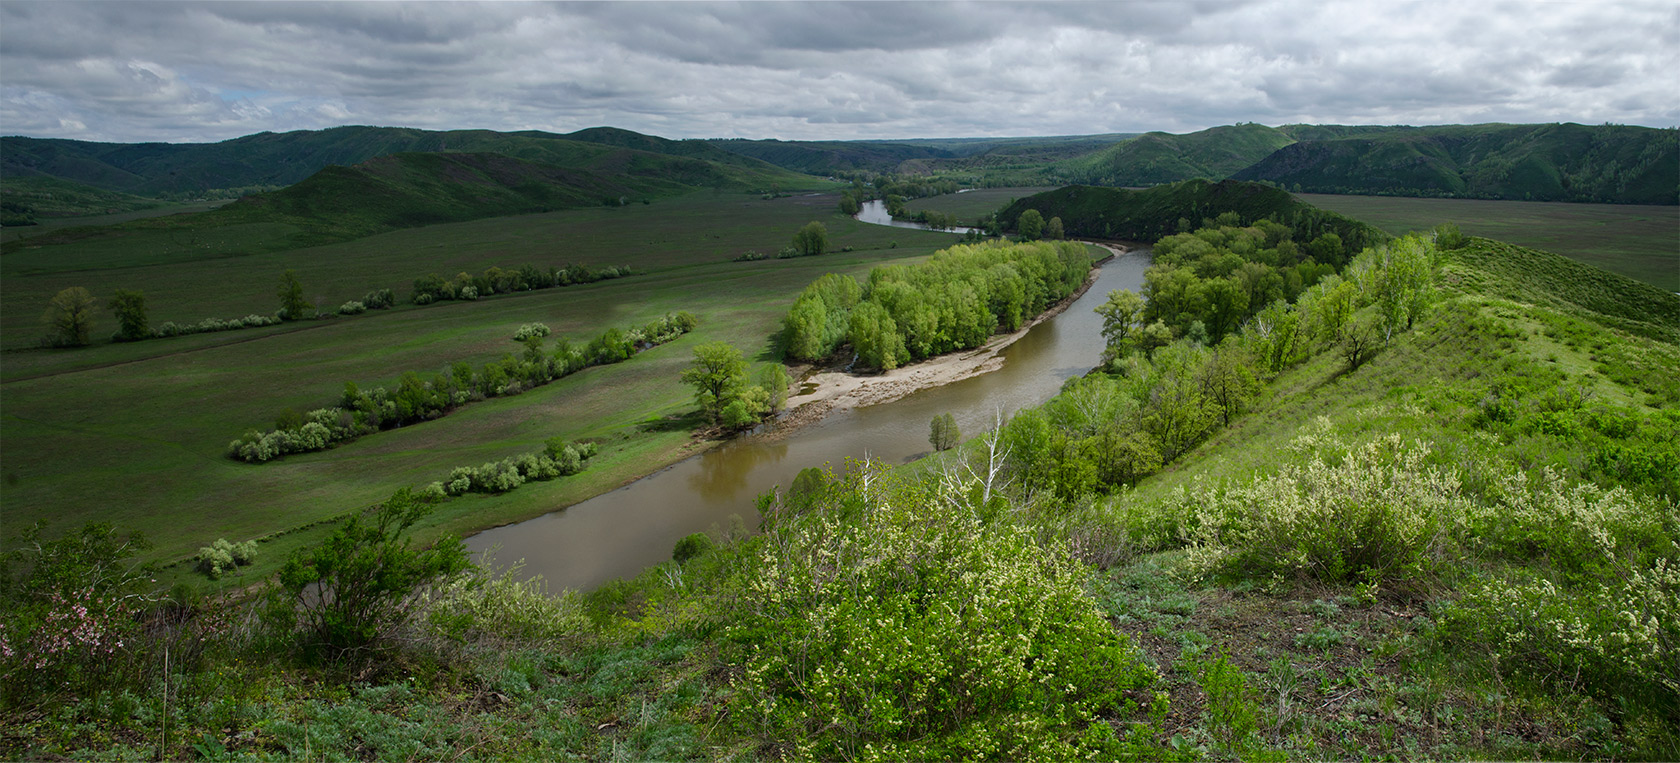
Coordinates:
(620, 533)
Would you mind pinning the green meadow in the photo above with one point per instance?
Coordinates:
(135, 433)
(1637, 241)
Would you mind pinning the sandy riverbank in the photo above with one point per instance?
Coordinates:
(837, 390)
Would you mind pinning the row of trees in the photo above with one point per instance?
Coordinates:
(558, 458)
(417, 398)
(494, 280)
(70, 315)
(955, 300)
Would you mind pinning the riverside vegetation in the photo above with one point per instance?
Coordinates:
(1420, 506)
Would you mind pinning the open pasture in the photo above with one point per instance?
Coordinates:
(135, 433)
(1640, 242)
(971, 204)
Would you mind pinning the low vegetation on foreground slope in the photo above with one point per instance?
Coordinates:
(1427, 509)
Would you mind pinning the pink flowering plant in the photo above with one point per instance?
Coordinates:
(69, 610)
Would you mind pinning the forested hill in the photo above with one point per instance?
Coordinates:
(413, 189)
(1149, 214)
(269, 160)
(1553, 162)
(1159, 157)
(828, 157)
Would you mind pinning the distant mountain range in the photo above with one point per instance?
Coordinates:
(1551, 162)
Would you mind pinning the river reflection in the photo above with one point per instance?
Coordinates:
(622, 532)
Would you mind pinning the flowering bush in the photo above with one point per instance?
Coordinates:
(69, 611)
(221, 556)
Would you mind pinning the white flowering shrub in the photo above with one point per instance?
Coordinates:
(1374, 514)
(891, 623)
(222, 556)
(529, 330)
(353, 307)
(511, 606)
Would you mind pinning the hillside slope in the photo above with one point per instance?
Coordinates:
(280, 159)
(1556, 162)
(1159, 157)
(403, 191)
(1149, 214)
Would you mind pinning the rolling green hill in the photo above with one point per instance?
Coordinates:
(828, 157)
(1555, 162)
(397, 191)
(1159, 157)
(1149, 214)
(280, 159)
(28, 199)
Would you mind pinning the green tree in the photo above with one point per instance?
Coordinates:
(130, 309)
(849, 205)
(1120, 316)
(69, 317)
(876, 338)
(943, 433)
(356, 585)
(718, 375)
(292, 304)
(1053, 229)
(1031, 225)
(812, 239)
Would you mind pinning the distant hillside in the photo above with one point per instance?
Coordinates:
(28, 199)
(1557, 162)
(829, 157)
(281, 159)
(1158, 157)
(404, 191)
(1150, 214)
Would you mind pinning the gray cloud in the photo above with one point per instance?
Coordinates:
(209, 71)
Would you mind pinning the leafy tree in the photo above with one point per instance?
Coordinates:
(69, 317)
(812, 239)
(876, 338)
(774, 379)
(358, 583)
(130, 309)
(943, 433)
(718, 375)
(1448, 237)
(1030, 225)
(1053, 229)
(1120, 316)
(292, 304)
(849, 205)
(1228, 381)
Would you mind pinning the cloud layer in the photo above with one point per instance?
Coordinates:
(210, 71)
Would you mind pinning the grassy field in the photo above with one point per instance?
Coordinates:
(134, 433)
(1640, 242)
(971, 204)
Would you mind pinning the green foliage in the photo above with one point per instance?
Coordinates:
(943, 433)
(1154, 213)
(1030, 225)
(1157, 157)
(293, 306)
(69, 612)
(130, 310)
(511, 606)
(1548, 162)
(811, 240)
(69, 318)
(352, 588)
(690, 546)
(718, 376)
(418, 398)
(955, 300)
(884, 622)
(222, 556)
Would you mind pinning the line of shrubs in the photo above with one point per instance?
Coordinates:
(419, 398)
(133, 331)
(435, 288)
(558, 458)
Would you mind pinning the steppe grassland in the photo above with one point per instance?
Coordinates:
(1640, 242)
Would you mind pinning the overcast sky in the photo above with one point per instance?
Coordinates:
(133, 71)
